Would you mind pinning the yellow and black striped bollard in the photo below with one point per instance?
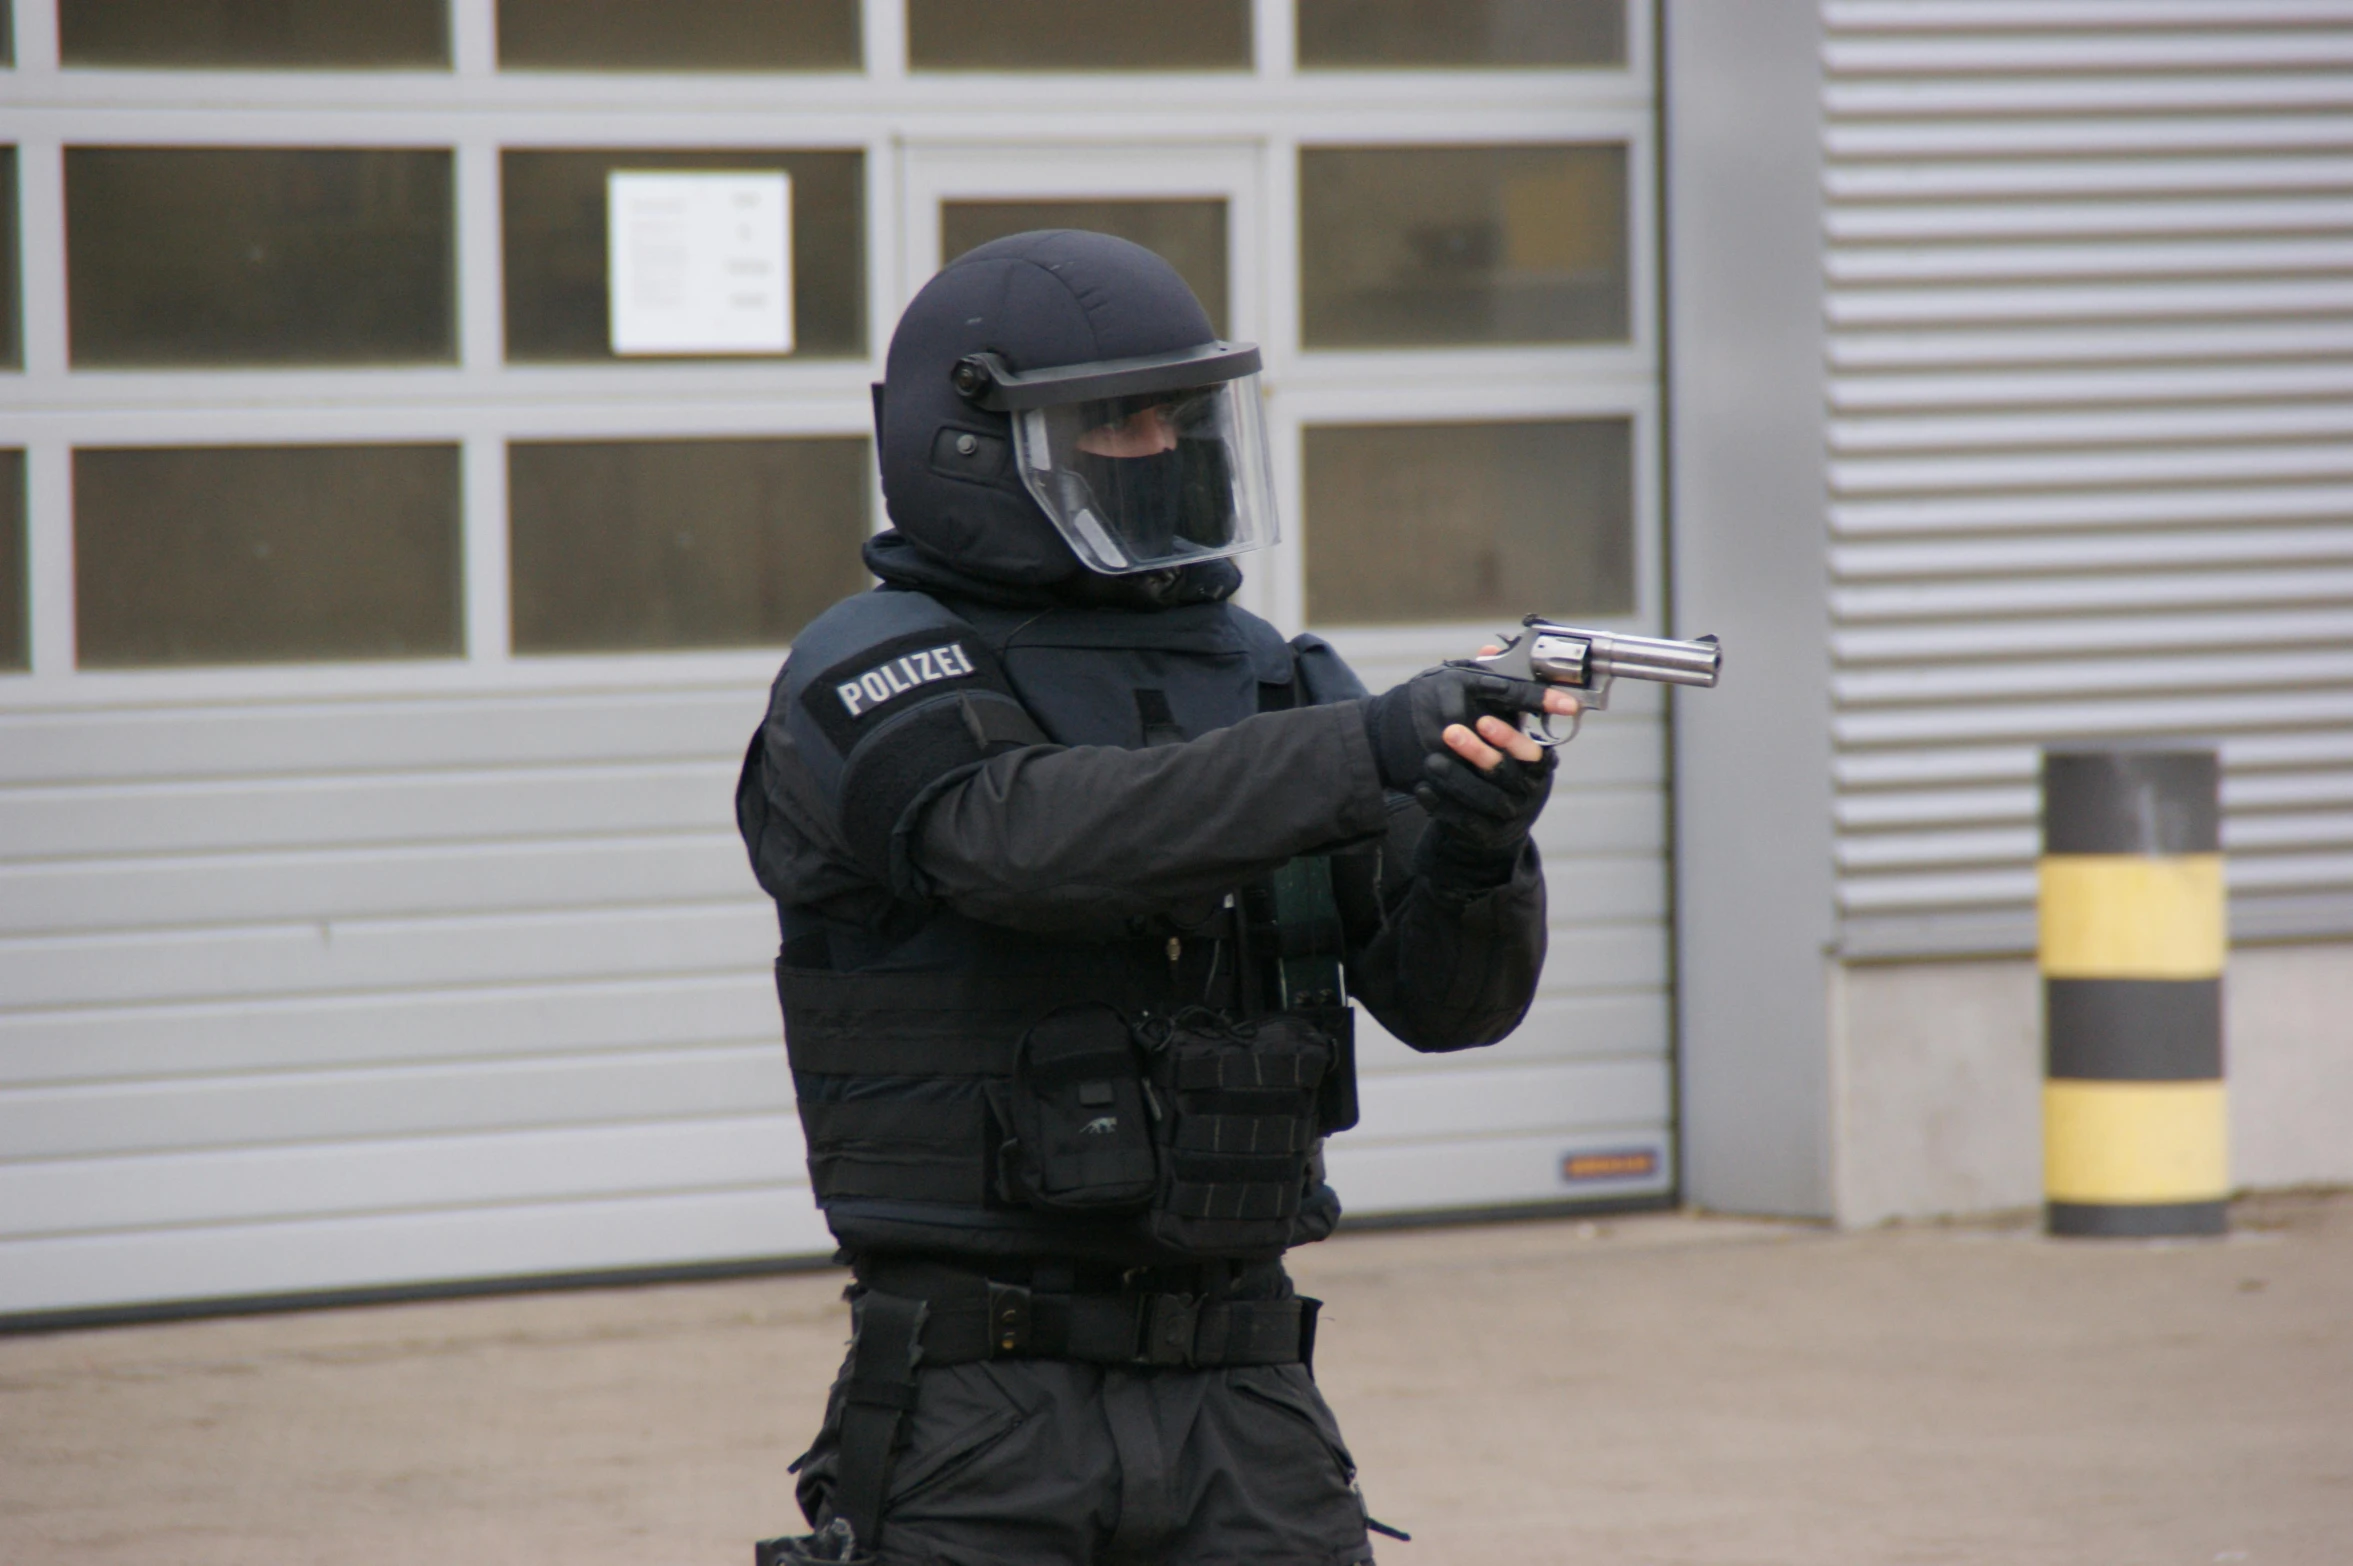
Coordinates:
(2135, 1134)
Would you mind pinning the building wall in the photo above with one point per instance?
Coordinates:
(1939, 1077)
(1753, 910)
(1938, 1097)
(2085, 274)
(2286, 1012)
(2065, 465)
(2086, 277)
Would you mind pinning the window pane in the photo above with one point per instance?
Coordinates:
(555, 248)
(1469, 521)
(381, 33)
(678, 35)
(1423, 246)
(258, 256)
(16, 651)
(1394, 34)
(11, 292)
(624, 546)
(1077, 35)
(1188, 235)
(260, 554)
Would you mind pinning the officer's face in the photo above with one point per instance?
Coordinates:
(1147, 432)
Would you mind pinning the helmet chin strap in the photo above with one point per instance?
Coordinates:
(1191, 584)
(1136, 590)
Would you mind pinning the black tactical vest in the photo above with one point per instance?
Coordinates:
(1158, 1093)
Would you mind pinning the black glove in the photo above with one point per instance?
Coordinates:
(1406, 722)
(1479, 821)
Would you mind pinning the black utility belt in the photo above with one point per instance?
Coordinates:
(975, 1318)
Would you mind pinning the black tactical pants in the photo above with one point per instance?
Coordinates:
(1041, 1462)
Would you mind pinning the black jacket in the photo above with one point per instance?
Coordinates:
(976, 804)
(1082, 840)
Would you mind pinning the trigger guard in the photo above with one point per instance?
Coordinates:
(1538, 727)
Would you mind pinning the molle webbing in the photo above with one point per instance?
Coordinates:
(889, 1067)
(1042, 1090)
(1244, 1120)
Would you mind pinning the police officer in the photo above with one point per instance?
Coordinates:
(1077, 866)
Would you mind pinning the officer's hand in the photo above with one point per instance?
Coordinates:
(1480, 816)
(1505, 738)
(1432, 714)
(1482, 800)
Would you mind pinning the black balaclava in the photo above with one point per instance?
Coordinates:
(1039, 300)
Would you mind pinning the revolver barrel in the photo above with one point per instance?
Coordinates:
(1587, 661)
(1569, 655)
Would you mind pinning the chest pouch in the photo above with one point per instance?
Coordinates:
(1237, 1130)
(1081, 1134)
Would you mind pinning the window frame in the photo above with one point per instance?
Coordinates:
(1262, 117)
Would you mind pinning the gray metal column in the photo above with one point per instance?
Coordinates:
(1748, 545)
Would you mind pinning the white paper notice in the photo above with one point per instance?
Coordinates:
(700, 263)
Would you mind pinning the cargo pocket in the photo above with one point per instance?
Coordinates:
(962, 1414)
(1082, 1136)
(1269, 1387)
(1299, 1468)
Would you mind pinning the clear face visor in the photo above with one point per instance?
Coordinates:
(1155, 480)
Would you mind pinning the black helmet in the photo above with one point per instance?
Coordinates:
(1057, 399)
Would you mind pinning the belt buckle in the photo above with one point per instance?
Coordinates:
(1169, 1322)
(1009, 1318)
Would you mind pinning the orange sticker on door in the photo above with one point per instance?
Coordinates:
(1622, 1163)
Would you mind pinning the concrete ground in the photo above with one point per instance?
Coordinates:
(1655, 1389)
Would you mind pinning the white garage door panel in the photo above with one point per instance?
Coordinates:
(1504, 1171)
(1604, 956)
(370, 954)
(232, 1261)
(326, 976)
(240, 1184)
(126, 894)
(1504, 1098)
(1605, 1022)
(172, 818)
(1626, 1022)
(594, 727)
(1584, 889)
(306, 1106)
(108, 1042)
(1602, 819)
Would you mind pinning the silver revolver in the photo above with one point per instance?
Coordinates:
(1548, 653)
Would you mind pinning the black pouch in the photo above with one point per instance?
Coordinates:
(1081, 1134)
(1237, 1131)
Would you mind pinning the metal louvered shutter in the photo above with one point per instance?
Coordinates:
(2090, 303)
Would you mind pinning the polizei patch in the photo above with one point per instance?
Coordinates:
(909, 671)
(866, 691)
